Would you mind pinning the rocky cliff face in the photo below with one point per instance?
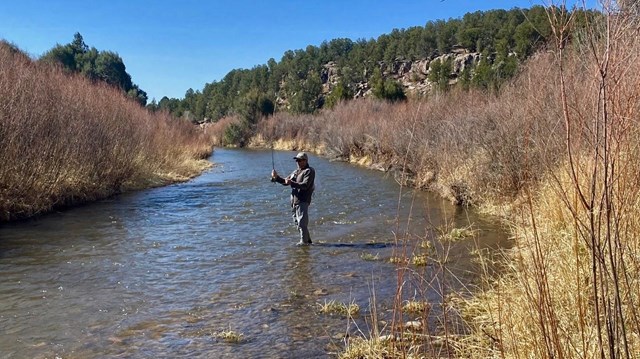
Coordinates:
(413, 75)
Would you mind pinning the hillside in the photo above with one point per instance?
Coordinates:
(479, 50)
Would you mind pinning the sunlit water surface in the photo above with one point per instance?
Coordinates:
(163, 272)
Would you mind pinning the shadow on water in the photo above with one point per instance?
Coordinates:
(163, 272)
(354, 245)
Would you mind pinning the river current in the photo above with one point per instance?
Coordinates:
(165, 272)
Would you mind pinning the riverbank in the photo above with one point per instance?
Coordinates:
(190, 169)
(551, 154)
(163, 273)
(67, 140)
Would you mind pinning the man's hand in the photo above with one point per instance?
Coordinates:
(287, 181)
(274, 174)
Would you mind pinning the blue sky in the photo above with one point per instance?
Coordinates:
(171, 46)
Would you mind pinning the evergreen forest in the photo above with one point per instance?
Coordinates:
(104, 66)
(298, 82)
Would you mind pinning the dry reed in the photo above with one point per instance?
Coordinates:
(558, 149)
(65, 140)
(572, 291)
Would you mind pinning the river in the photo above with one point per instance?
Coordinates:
(161, 273)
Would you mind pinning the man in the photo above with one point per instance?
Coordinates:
(302, 186)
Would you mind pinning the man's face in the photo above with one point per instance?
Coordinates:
(301, 162)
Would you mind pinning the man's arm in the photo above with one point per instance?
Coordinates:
(284, 181)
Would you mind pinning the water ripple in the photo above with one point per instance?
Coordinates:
(159, 273)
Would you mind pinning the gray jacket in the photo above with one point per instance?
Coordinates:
(302, 184)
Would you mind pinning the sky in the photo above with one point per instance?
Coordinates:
(169, 46)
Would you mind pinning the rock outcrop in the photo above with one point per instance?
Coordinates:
(413, 75)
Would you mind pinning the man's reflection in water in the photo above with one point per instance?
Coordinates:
(303, 330)
(300, 274)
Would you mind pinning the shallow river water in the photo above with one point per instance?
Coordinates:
(162, 273)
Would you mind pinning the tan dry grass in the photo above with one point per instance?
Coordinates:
(547, 292)
(573, 290)
(66, 140)
(468, 146)
(510, 153)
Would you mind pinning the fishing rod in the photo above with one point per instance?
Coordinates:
(273, 163)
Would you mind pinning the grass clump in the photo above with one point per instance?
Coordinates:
(369, 257)
(426, 244)
(334, 307)
(398, 260)
(361, 348)
(420, 260)
(415, 306)
(230, 336)
(457, 234)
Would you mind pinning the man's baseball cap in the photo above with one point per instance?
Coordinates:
(301, 156)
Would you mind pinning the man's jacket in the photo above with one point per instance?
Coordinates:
(302, 184)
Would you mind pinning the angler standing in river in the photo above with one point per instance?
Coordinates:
(302, 185)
